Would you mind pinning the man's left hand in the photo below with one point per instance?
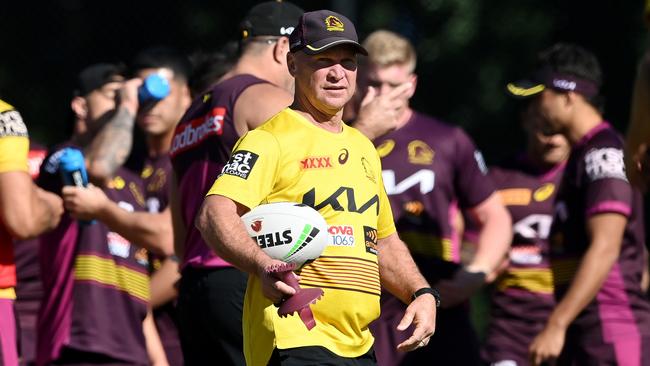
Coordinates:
(460, 287)
(547, 345)
(422, 313)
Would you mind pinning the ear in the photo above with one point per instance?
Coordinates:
(413, 79)
(80, 107)
(291, 63)
(280, 49)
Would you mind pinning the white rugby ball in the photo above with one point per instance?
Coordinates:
(288, 231)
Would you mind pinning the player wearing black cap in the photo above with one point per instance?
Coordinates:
(323, 61)
(211, 291)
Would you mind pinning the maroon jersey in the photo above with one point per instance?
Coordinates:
(428, 176)
(95, 281)
(201, 147)
(523, 297)
(156, 177)
(595, 182)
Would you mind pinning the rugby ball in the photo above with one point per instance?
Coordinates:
(287, 231)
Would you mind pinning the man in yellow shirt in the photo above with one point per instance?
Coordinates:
(25, 211)
(272, 164)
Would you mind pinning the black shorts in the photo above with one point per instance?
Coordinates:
(315, 355)
(210, 306)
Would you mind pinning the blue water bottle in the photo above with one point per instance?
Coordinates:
(72, 167)
(154, 88)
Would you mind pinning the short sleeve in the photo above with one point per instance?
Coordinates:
(14, 140)
(251, 171)
(471, 182)
(608, 190)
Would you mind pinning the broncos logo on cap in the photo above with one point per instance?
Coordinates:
(334, 24)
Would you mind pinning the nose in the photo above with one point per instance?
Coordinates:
(335, 73)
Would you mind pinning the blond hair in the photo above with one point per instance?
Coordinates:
(386, 48)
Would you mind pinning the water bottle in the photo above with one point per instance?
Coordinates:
(154, 88)
(73, 170)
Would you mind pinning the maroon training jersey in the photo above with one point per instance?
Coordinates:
(201, 147)
(430, 169)
(155, 173)
(594, 183)
(95, 281)
(523, 296)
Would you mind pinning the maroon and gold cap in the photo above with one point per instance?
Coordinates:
(321, 30)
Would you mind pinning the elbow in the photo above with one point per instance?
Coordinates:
(21, 229)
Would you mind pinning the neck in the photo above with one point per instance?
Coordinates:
(330, 120)
(582, 124)
(158, 145)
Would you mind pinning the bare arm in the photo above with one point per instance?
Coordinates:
(152, 231)
(155, 348)
(606, 232)
(112, 145)
(223, 230)
(268, 100)
(401, 277)
(163, 283)
(638, 133)
(494, 237)
(27, 210)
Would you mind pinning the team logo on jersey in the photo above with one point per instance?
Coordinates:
(197, 130)
(341, 235)
(370, 238)
(420, 153)
(334, 24)
(385, 148)
(544, 192)
(11, 124)
(141, 256)
(136, 193)
(343, 156)
(316, 162)
(605, 163)
(241, 164)
(158, 181)
(367, 169)
(117, 183)
(146, 171)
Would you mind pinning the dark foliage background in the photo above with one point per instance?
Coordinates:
(468, 50)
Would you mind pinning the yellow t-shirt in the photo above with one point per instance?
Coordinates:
(289, 159)
(14, 146)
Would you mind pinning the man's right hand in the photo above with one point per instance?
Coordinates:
(273, 287)
(378, 113)
(128, 95)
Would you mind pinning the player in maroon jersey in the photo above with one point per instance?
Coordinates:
(522, 298)
(430, 171)
(597, 236)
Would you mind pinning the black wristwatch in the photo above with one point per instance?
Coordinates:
(428, 290)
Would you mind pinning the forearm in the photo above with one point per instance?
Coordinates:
(399, 273)
(155, 349)
(494, 237)
(151, 231)
(111, 147)
(163, 283)
(593, 269)
(222, 229)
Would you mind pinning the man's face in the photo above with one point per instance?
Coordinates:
(101, 104)
(551, 109)
(161, 117)
(328, 79)
(551, 149)
(386, 79)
